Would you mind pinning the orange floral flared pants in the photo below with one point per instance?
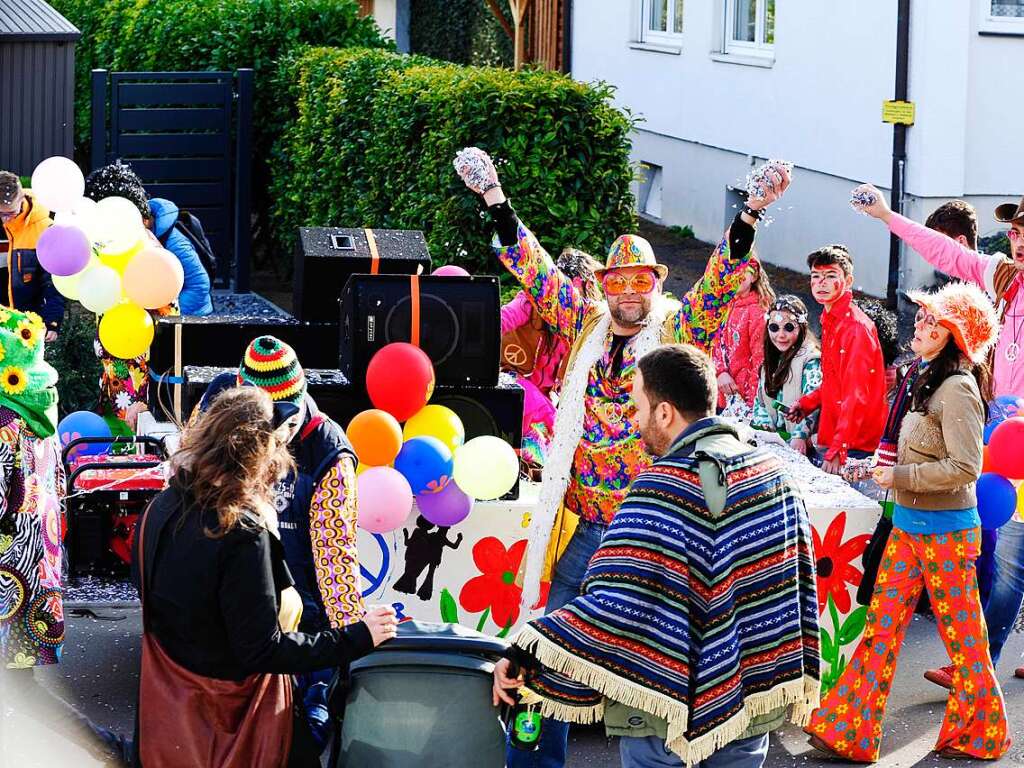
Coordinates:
(851, 715)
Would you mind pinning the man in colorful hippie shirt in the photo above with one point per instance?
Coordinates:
(597, 449)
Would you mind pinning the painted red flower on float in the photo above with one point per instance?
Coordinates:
(495, 588)
(835, 569)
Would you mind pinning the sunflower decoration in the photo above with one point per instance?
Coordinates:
(29, 332)
(27, 381)
(13, 380)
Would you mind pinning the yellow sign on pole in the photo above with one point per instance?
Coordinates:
(899, 112)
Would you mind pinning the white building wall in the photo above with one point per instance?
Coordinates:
(705, 121)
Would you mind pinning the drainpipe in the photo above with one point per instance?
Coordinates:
(567, 36)
(899, 145)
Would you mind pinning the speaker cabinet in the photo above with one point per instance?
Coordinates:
(220, 340)
(326, 257)
(459, 328)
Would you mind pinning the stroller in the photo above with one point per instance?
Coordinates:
(424, 700)
(105, 496)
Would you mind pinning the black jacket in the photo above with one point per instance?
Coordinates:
(212, 603)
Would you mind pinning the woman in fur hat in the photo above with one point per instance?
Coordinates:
(930, 458)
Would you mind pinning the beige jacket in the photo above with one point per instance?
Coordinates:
(939, 455)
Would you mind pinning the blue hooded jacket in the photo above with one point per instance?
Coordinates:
(195, 294)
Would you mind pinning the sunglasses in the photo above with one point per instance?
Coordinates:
(615, 284)
(788, 327)
(1015, 234)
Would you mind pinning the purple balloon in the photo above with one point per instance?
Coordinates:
(449, 506)
(63, 250)
(450, 270)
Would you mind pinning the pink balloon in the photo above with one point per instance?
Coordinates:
(450, 270)
(153, 278)
(384, 499)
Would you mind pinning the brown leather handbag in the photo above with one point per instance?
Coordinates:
(519, 346)
(194, 721)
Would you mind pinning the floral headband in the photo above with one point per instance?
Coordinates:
(786, 305)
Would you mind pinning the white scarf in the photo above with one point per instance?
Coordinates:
(569, 429)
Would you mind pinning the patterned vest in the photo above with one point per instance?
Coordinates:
(317, 448)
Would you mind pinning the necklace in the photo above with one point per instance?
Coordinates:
(1012, 351)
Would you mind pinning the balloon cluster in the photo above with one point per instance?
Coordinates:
(428, 460)
(1003, 463)
(99, 254)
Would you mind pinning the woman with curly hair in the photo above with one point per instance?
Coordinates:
(219, 606)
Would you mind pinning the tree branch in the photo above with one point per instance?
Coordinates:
(496, 10)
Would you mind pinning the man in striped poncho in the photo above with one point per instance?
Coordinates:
(699, 608)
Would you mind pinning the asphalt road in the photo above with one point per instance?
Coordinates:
(99, 676)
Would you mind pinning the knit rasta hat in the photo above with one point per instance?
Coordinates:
(28, 384)
(967, 312)
(271, 365)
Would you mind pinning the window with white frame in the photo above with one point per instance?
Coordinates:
(661, 21)
(1002, 17)
(750, 27)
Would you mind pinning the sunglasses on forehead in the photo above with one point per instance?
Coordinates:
(615, 284)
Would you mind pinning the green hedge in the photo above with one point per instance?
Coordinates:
(73, 356)
(374, 134)
(191, 35)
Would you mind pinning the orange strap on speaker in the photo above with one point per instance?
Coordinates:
(374, 254)
(414, 304)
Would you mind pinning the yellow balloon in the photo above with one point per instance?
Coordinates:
(436, 421)
(126, 331)
(363, 467)
(120, 260)
(1020, 499)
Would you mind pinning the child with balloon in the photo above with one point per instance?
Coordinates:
(124, 381)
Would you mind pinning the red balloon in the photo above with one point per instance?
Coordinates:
(400, 379)
(1005, 448)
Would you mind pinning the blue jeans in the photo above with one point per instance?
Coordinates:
(314, 687)
(650, 752)
(565, 585)
(1004, 598)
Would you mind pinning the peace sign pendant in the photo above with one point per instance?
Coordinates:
(1012, 352)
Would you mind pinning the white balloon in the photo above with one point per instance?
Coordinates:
(58, 183)
(118, 225)
(82, 215)
(99, 288)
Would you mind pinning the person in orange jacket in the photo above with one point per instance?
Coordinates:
(29, 287)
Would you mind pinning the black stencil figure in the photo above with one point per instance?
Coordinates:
(423, 550)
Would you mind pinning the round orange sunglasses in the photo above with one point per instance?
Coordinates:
(615, 283)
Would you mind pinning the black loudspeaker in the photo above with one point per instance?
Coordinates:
(459, 329)
(220, 340)
(494, 410)
(326, 258)
(329, 388)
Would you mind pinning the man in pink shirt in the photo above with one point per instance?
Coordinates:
(1002, 277)
(950, 243)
